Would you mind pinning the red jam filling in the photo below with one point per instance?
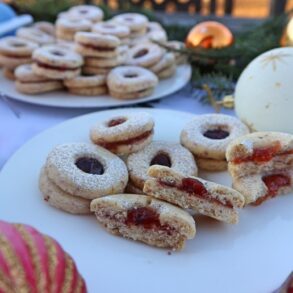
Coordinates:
(273, 183)
(195, 188)
(115, 122)
(90, 166)
(99, 48)
(141, 53)
(216, 134)
(113, 145)
(59, 68)
(161, 159)
(261, 155)
(15, 56)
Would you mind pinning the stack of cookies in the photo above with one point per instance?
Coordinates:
(15, 51)
(35, 35)
(101, 52)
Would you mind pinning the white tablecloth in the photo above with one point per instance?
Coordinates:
(15, 131)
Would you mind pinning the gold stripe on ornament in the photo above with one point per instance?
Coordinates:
(68, 274)
(15, 267)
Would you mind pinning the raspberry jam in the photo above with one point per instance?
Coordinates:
(115, 122)
(261, 155)
(161, 159)
(195, 188)
(144, 216)
(141, 53)
(90, 166)
(59, 68)
(114, 145)
(108, 49)
(273, 183)
(216, 134)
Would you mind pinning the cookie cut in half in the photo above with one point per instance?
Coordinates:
(144, 219)
(261, 165)
(205, 197)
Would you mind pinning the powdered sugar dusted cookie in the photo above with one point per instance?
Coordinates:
(124, 134)
(88, 12)
(35, 35)
(128, 82)
(86, 170)
(261, 165)
(194, 193)
(172, 155)
(135, 21)
(207, 136)
(145, 219)
(28, 82)
(56, 62)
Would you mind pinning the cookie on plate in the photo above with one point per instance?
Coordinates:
(28, 82)
(131, 82)
(261, 165)
(162, 153)
(35, 35)
(76, 173)
(207, 137)
(205, 197)
(56, 62)
(124, 134)
(144, 219)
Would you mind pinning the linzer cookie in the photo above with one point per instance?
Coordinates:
(166, 67)
(35, 35)
(124, 134)
(66, 28)
(76, 173)
(162, 153)
(204, 197)
(15, 51)
(207, 137)
(92, 85)
(56, 62)
(142, 218)
(114, 29)
(34, 262)
(46, 27)
(130, 82)
(28, 82)
(87, 12)
(261, 165)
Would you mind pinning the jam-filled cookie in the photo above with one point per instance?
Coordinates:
(28, 82)
(56, 62)
(145, 219)
(93, 85)
(205, 197)
(124, 134)
(261, 165)
(114, 29)
(66, 27)
(172, 155)
(179, 57)
(207, 137)
(130, 82)
(166, 67)
(96, 45)
(15, 51)
(76, 171)
(35, 35)
(46, 27)
(88, 12)
(145, 55)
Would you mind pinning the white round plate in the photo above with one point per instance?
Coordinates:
(67, 100)
(253, 256)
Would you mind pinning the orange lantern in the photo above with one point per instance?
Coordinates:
(209, 35)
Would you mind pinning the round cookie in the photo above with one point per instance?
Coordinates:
(135, 21)
(124, 134)
(172, 155)
(130, 96)
(15, 51)
(110, 28)
(60, 199)
(35, 35)
(155, 32)
(131, 80)
(56, 62)
(167, 72)
(86, 170)
(66, 28)
(88, 12)
(145, 55)
(179, 57)
(92, 70)
(46, 27)
(207, 136)
(28, 82)
(166, 67)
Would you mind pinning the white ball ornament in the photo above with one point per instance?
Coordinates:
(264, 92)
